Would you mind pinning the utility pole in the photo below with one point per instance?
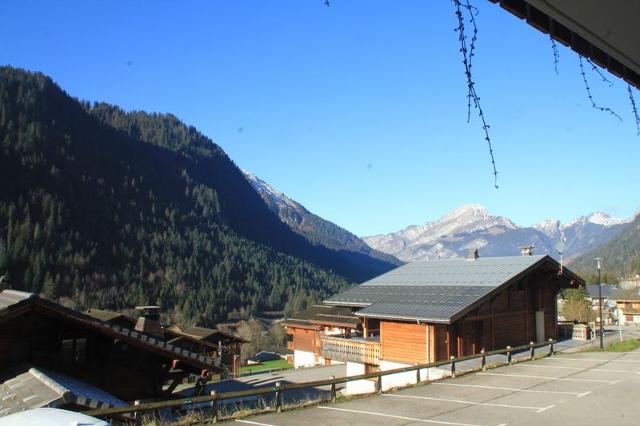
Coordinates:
(598, 259)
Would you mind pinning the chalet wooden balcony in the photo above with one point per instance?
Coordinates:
(365, 351)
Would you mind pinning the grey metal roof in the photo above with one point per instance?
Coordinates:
(33, 388)
(9, 298)
(434, 290)
(607, 290)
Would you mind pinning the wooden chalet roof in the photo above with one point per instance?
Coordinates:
(317, 315)
(109, 316)
(202, 334)
(26, 388)
(441, 291)
(15, 303)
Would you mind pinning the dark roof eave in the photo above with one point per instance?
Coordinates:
(335, 323)
(339, 303)
(406, 318)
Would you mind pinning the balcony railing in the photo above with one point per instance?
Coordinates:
(365, 351)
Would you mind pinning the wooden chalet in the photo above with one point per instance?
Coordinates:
(213, 343)
(627, 306)
(306, 329)
(431, 310)
(43, 343)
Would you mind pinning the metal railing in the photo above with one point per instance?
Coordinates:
(354, 350)
(280, 388)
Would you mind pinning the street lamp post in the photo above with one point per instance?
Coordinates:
(598, 259)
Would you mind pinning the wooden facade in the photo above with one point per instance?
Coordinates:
(403, 341)
(305, 339)
(127, 364)
(506, 319)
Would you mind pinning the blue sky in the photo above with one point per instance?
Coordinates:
(358, 111)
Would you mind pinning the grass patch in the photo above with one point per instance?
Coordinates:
(267, 365)
(626, 346)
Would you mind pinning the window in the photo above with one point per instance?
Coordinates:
(74, 352)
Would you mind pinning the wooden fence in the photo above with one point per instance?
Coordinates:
(280, 388)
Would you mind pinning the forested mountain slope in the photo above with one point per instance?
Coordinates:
(620, 256)
(113, 209)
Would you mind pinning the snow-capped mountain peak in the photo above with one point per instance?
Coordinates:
(597, 218)
(435, 239)
(471, 226)
(267, 191)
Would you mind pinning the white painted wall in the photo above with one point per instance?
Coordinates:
(303, 359)
(408, 378)
(358, 386)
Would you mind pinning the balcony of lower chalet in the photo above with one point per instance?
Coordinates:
(352, 349)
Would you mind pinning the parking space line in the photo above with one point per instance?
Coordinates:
(373, 413)
(549, 366)
(249, 422)
(507, 389)
(601, 370)
(459, 401)
(559, 358)
(591, 359)
(546, 377)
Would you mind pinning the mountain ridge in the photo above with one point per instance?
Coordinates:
(471, 226)
(315, 228)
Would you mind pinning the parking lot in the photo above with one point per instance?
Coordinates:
(579, 388)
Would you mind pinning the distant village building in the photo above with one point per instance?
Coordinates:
(630, 282)
(305, 331)
(431, 310)
(627, 306)
(608, 304)
(53, 356)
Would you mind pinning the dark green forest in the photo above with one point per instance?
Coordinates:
(112, 209)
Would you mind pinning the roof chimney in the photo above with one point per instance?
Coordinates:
(527, 250)
(473, 254)
(149, 320)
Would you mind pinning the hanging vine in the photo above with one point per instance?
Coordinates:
(586, 85)
(556, 55)
(468, 51)
(596, 69)
(634, 109)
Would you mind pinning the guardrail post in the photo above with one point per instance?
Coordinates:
(551, 347)
(484, 360)
(379, 384)
(333, 389)
(533, 350)
(453, 366)
(278, 397)
(214, 407)
(509, 355)
(417, 375)
(137, 415)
